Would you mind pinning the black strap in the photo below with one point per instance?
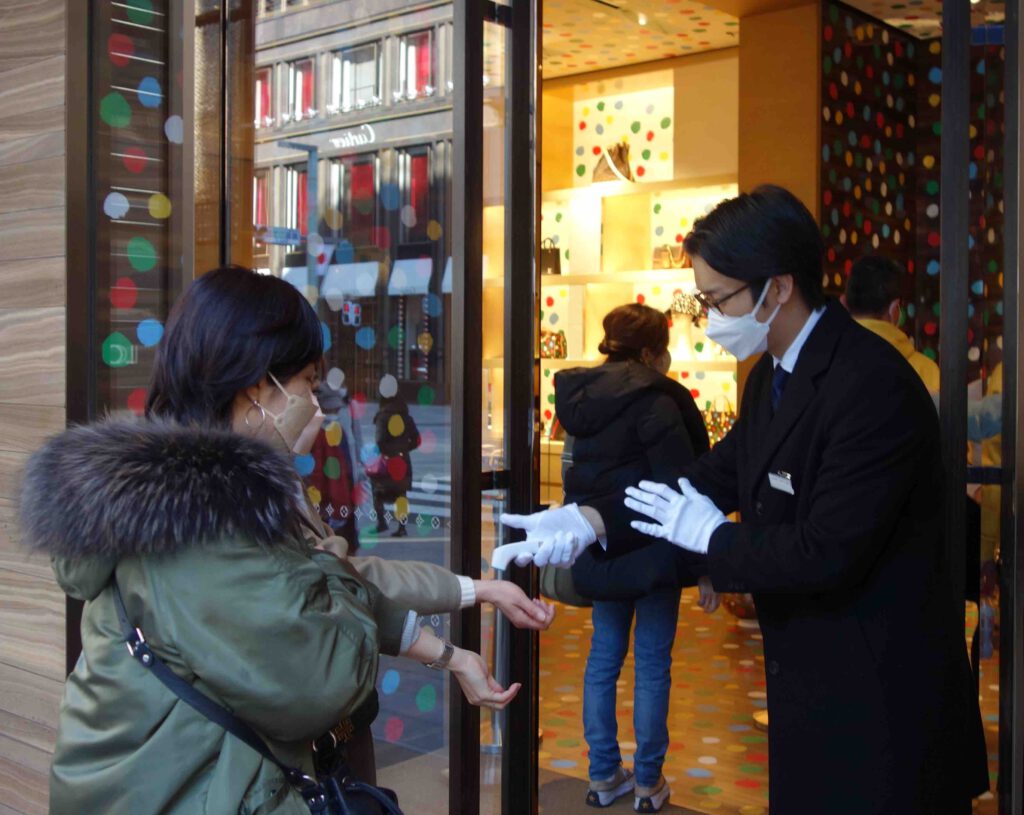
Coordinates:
(139, 648)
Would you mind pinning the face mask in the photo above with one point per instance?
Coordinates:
(294, 425)
(741, 336)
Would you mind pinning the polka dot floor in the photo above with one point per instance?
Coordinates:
(717, 760)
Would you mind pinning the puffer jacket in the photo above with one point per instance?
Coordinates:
(201, 530)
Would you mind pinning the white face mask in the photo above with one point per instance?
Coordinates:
(741, 336)
(297, 425)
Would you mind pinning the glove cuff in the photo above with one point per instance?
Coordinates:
(583, 531)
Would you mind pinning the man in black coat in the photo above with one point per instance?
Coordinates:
(834, 466)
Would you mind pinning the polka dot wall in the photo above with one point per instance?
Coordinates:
(642, 119)
(138, 142)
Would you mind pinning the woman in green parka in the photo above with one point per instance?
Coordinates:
(198, 513)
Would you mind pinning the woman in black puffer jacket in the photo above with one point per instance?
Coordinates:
(629, 422)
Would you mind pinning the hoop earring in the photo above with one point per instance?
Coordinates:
(263, 416)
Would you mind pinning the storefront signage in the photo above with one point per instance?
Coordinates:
(278, 235)
(356, 137)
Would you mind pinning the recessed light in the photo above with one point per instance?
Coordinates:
(641, 18)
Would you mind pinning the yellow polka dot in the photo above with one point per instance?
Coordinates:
(586, 111)
(663, 156)
(563, 293)
(934, 100)
(888, 132)
(839, 117)
(910, 80)
(859, 31)
(849, 159)
(857, 87)
(314, 495)
(425, 342)
(974, 132)
(737, 748)
(333, 434)
(727, 386)
(434, 230)
(856, 192)
(396, 426)
(751, 809)
(853, 238)
(870, 31)
(159, 206)
(656, 291)
(935, 47)
(609, 119)
(333, 218)
(402, 508)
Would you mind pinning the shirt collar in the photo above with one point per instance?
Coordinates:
(788, 361)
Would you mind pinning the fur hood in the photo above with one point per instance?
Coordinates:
(140, 487)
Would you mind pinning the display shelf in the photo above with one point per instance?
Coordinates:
(649, 276)
(708, 365)
(606, 189)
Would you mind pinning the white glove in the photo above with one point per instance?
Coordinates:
(561, 534)
(686, 520)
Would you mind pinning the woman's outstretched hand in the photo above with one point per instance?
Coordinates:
(709, 599)
(477, 684)
(512, 601)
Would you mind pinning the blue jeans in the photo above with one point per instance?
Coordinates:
(656, 617)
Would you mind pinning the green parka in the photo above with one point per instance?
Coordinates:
(201, 529)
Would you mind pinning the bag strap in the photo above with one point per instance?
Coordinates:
(138, 647)
(611, 164)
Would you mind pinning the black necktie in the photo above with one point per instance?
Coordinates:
(778, 385)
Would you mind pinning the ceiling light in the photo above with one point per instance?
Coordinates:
(641, 18)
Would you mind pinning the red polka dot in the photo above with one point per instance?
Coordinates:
(428, 441)
(847, 209)
(583, 125)
(831, 255)
(910, 267)
(547, 415)
(550, 301)
(828, 197)
(679, 238)
(641, 299)
(833, 91)
(848, 49)
(650, 135)
(851, 111)
(695, 393)
(684, 374)
(867, 227)
(137, 401)
(397, 468)
(120, 49)
(393, 729)
(597, 150)
(979, 152)
(865, 141)
(123, 294)
(930, 329)
(640, 170)
(748, 784)
(933, 239)
(134, 160)
(899, 131)
(828, 33)
(760, 758)
(869, 72)
(897, 48)
(880, 120)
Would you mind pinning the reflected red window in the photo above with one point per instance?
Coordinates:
(417, 65)
(264, 97)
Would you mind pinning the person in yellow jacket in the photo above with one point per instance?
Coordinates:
(873, 298)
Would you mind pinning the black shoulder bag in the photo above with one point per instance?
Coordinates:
(336, 794)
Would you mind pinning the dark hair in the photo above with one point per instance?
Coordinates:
(226, 332)
(630, 329)
(759, 235)
(873, 284)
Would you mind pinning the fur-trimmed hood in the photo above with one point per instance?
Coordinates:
(138, 487)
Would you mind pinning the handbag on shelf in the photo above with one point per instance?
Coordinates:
(553, 345)
(328, 794)
(550, 258)
(613, 164)
(667, 256)
(685, 304)
(717, 420)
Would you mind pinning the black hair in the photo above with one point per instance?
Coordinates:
(873, 284)
(759, 235)
(225, 333)
(631, 329)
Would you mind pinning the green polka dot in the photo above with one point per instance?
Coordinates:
(117, 350)
(566, 254)
(833, 13)
(937, 309)
(426, 395)
(426, 699)
(932, 187)
(600, 105)
(635, 127)
(753, 739)
(827, 64)
(665, 123)
(551, 398)
(141, 254)
(930, 353)
(395, 336)
(657, 208)
(547, 372)
(937, 128)
(699, 346)
(568, 743)
(993, 266)
(558, 217)
(706, 789)
(115, 110)
(646, 154)
(332, 468)
(580, 170)
(140, 11)
(751, 769)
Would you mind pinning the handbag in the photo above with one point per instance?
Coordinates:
(666, 257)
(377, 469)
(557, 584)
(550, 257)
(613, 164)
(718, 422)
(334, 794)
(553, 345)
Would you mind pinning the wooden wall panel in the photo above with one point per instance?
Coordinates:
(32, 351)
(32, 382)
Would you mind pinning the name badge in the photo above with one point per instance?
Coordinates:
(781, 481)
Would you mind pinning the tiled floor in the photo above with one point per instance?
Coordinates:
(717, 760)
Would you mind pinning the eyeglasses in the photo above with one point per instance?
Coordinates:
(707, 303)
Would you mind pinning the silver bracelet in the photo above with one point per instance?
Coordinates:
(442, 661)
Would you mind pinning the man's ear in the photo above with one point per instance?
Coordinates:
(784, 286)
(842, 299)
(894, 312)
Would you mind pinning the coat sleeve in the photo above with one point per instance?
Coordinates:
(288, 642)
(714, 474)
(423, 587)
(874, 455)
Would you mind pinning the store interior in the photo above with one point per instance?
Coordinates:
(684, 89)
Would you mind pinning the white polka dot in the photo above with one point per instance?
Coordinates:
(707, 760)
(710, 740)
(335, 378)
(388, 386)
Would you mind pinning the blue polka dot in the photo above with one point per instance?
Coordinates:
(978, 287)
(370, 452)
(150, 93)
(972, 171)
(932, 269)
(911, 308)
(999, 308)
(981, 67)
(389, 682)
(970, 241)
(698, 772)
(390, 197)
(553, 319)
(433, 305)
(885, 78)
(149, 332)
(851, 138)
(618, 105)
(837, 55)
(659, 231)
(707, 709)
(563, 764)
(970, 310)
(579, 150)
(739, 728)
(366, 338)
(935, 76)
(825, 152)
(345, 252)
(304, 465)
(835, 217)
(886, 230)
(700, 375)
(328, 342)
(599, 129)
(867, 113)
